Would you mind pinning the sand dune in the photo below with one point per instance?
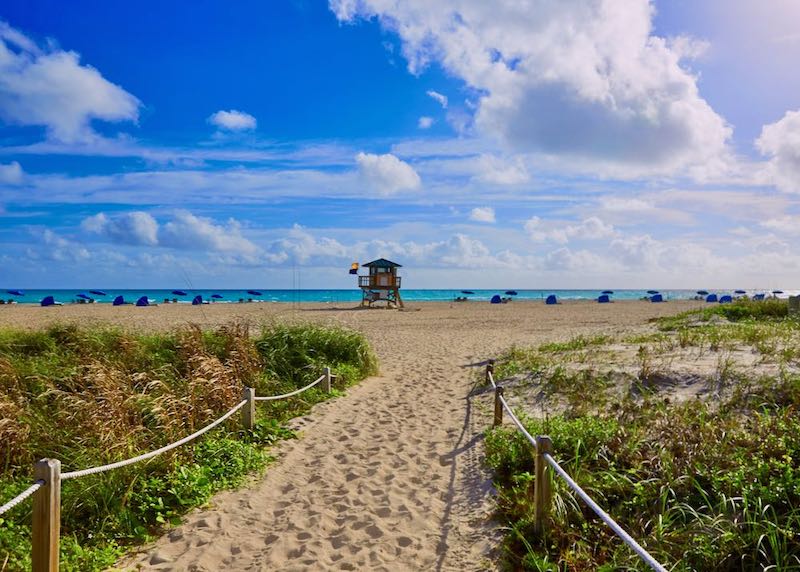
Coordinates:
(390, 476)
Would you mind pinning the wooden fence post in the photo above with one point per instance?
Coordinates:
(542, 487)
(326, 383)
(46, 516)
(498, 407)
(249, 409)
(489, 369)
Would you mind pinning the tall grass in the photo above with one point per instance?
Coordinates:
(89, 396)
(704, 485)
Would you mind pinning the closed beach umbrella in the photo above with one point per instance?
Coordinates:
(511, 292)
(218, 296)
(254, 292)
(16, 292)
(179, 292)
(607, 292)
(97, 292)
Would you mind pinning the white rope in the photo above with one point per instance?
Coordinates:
(151, 454)
(22, 496)
(490, 375)
(518, 423)
(643, 554)
(295, 392)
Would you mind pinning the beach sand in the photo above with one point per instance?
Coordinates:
(388, 477)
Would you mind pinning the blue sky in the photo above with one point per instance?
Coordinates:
(539, 144)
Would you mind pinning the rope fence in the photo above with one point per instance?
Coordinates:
(46, 489)
(21, 496)
(542, 488)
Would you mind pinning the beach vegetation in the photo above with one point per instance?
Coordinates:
(91, 396)
(710, 482)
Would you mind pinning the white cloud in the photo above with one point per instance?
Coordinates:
(50, 87)
(138, 228)
(499, 171)
(387, 174)
(787, 224)
(185, 232)
(232, 120)
(584, 79)
(482, 214)
(591, 228)
(425, 122)
(441, 99)
(780, 141)
(60, 249)
(11, 174)
(190, 232)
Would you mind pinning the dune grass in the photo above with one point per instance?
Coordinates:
(703, 485)
(89, 396)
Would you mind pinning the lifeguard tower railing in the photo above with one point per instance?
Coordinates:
(380, 280)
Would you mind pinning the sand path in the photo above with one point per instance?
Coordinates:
(390, 476)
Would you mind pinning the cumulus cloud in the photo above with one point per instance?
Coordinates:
(50, 87)
(482, 214)
(591, 228)
(386, 174)
(190, 232)
(425, 122)
(11, 174)
(185, 232)
(232, 120)
(499, 171)
(582, 78)
(787, 224)
(137, 228)
(780, 141)
(441, 99)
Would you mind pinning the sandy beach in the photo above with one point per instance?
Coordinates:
(388, 477)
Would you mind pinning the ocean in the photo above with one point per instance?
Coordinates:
(337, 296)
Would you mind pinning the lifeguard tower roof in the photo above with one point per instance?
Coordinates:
(381, 263)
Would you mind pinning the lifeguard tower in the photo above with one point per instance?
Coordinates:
(382, 284)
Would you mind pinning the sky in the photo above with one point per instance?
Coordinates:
(513, 144)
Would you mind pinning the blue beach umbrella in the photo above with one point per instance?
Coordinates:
(218, 296)
(97, 292)
(84, 296)
(607, 292)
(254, 292)
(197, 300)
(511, 292)
(118, 301)
(652, 292)
(143, 301)
(777, 291)
(467, 292)
(179, 292)
(16, 292)
(740, 291)
(702, 292)
(48, 301)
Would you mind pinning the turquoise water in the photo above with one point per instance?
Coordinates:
(354, 295)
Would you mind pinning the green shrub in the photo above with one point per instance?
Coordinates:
(89, 396)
